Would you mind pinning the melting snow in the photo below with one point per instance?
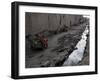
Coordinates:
(77, 54)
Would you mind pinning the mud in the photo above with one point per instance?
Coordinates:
(60, 46)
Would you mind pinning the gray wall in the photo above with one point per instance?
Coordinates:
(37, 22)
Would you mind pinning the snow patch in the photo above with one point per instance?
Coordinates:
(77, 54)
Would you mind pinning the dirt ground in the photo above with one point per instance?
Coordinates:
(59, 47)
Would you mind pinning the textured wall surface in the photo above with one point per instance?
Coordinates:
(37, 22)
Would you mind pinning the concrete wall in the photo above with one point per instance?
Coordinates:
(37, 22)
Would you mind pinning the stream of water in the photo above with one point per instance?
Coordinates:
(76, 56)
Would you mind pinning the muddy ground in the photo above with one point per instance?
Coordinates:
(60, 46)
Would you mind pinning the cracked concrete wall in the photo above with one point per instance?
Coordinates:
(37, 22)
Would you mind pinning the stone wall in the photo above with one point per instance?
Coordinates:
(37, 22)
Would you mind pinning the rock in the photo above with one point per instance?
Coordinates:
(58, 61)
(45, 64)
(62, 49)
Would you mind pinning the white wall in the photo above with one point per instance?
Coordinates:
(5, 40)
